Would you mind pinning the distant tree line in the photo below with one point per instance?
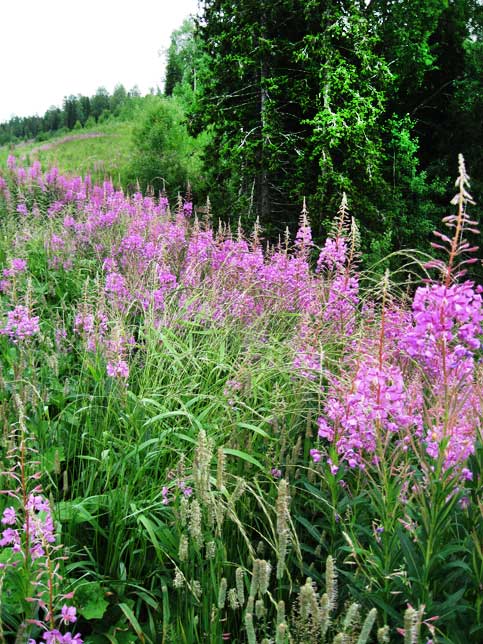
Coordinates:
(76, 111)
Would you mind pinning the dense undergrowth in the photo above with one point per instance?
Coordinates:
(232, 442)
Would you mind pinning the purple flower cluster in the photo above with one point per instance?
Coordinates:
(29, 540)
(20, 324)
(445, 334)
(403, 374)
(447, 325)
(333, 255)
(17, 266)
(361, 413)
(54, 636)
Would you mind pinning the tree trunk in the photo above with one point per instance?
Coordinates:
(264, 188)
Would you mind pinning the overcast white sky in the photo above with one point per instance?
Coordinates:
(52, 48)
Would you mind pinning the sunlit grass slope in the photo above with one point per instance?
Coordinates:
(101, 151)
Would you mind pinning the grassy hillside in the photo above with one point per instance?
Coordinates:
(101, 151)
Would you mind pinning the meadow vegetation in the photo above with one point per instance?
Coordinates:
(207, 437)
(241, 414)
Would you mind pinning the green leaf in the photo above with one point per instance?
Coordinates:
(51, 458)
(410, 556)
(257, 430)
(151, 530)
(90, 600)
(244, 456)
(133, 621)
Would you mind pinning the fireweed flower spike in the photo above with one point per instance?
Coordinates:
(440, 336)
(20, 324)
(446, 331)
(29, 537)
(68, 614)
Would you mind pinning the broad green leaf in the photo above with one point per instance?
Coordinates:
(90, 600)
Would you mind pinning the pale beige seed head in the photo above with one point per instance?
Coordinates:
(324, 614)
(331, 583)
(411, 626)
(255, 579)
(367, 627)
(260, 610)
(383, 635)
(179, 580)
(222, 593)
(233, 602)
(281, 612)
(352, 617)
(196, 589)
(282, 554)
(201, 467)
(210, 550)
(264, 576)
(194, 525)
(250, 630)
(183, 548)
(184, 511)
(240, 585)
(220, 468)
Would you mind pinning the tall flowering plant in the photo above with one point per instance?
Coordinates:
(444, 337)
(421, 387)
(29, 542)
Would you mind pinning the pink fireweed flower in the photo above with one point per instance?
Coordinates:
(53, 637)
(187, 209)
(119, 369)
(303, 239)
(54, 209)
(333, 255)
(9, 516)
(38, 503)
(325, 430)
(40, 521)
(333, 467)
(56, 242)
(165, 496)
(374, 402)
(17, 266)
(72, 639)
(316, 455)
(20, 324)
(117, 290)
(342, 302)
(35, 170)
(84, 323)
(447, 323)
(68, 614)
(185, 489)
(36, 551)
(11, 537)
